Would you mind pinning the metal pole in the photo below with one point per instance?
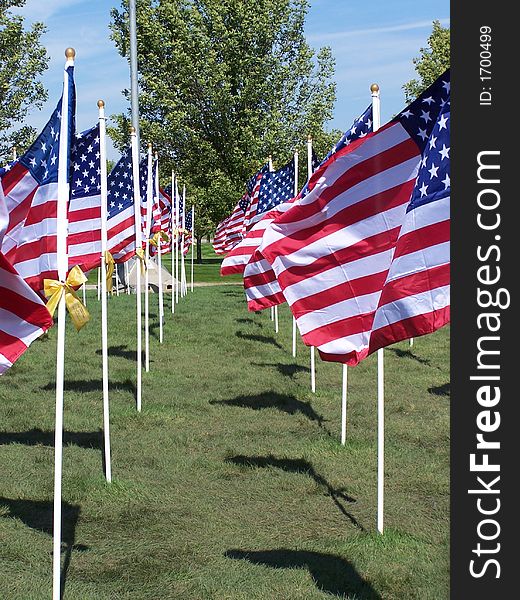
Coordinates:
(313, 350)
(376, 116)
(134, 86)
(62, 265)
(104, 324)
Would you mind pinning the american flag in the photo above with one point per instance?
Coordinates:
(229, 231)
(30, 187)
(363, 259)
(188, 233)
(275, 188)
(260, 283)
(84, 239)
(120, 210)
(23, 315)
(165, 219)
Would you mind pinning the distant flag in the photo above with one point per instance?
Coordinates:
(84, 239)
(23, 315)
(275, 188)
(229, 231)
(120, 210)
(363, 259)
(30, 187)
(165, 219)
(260, 283)
(188, 233)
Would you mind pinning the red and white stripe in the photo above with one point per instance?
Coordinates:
(121, 235)
(84, 239)
(332, 252)
(416, 296)
(23, 315)
(229, 231)
(240, 255)
(29, 244)
(251, 215)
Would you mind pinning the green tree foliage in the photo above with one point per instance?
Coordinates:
(22, 60)
(432, 62)
(223, 85)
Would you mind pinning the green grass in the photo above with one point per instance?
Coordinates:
(208, 271)
(231, 484)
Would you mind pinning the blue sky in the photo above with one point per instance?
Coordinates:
(371, 41)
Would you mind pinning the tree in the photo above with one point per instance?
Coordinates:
(22, 60)
(223, 85)
(432, 63)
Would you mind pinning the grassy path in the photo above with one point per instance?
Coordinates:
(231, 484)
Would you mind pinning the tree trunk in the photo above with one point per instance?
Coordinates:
(199, 249)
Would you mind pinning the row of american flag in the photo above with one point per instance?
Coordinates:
(361, 253)
(28, 221)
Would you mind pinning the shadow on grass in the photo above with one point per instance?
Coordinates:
(331, 574)
(285, 370)
(440, 390)
(249, 322)
(34, 437)
(93, 385)
(281, 402)
(122, 352)
(409, 354)
(299, 465)
(263, 339)
(38, 514)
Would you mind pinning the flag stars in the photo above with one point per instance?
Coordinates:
(446, 181)
(433, 141)
(442, 122)
(425, 115)
(428, 100)
(433, 171)
(422, 134)
(444, 152)
(407, 113)
(423, 189)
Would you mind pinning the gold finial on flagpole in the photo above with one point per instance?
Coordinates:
(70, 53)
(101, 104)
(309, 138)
(374, 88)
(132, 129)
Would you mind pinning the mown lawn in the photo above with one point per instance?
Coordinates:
(231, 484)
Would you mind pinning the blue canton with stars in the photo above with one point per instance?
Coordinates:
(85, 164)
(120, 195)
(42, 157)
(276, 187)
(420, 117)
(433, 178)
(244, 202)
(187, 221)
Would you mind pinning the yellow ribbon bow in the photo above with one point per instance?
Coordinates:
(140, 255)
(109, 265)
(160, 235)
(54, 290)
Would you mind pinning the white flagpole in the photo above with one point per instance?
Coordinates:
(104, 326)
(344, 405)
(376, 116)
(172, 221)
(183, 266)
(117, 279)
(159, 257)
(127, 278)
(62, 264)
(99, 284)
(192, 241)
(276, 318)
(295, 194)
(84, 294)
(149, 192)
(138, 246)
(313, 349)
(176, 241)
(274, 309)
(411, 341)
